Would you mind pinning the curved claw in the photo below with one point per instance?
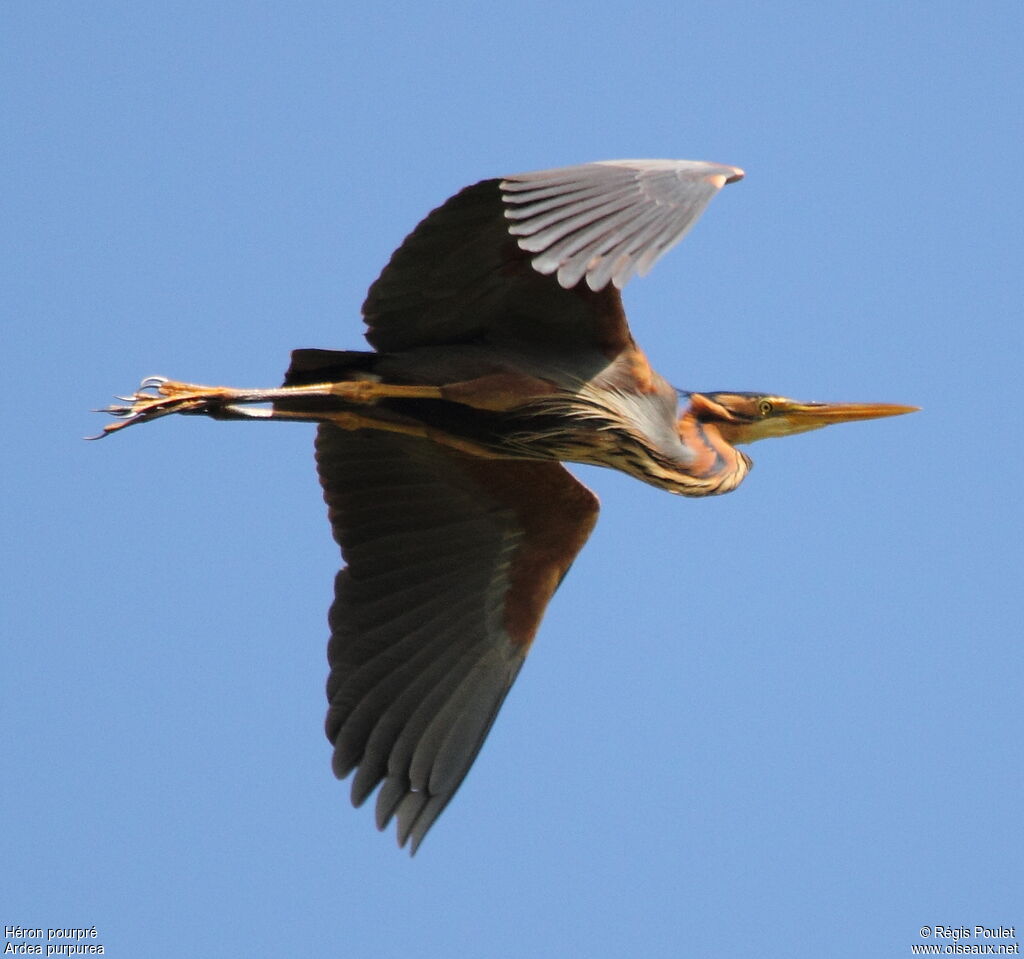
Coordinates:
(151, 400)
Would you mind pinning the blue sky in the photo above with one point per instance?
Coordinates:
(784, 722)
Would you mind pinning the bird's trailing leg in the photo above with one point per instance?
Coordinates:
(157, 396)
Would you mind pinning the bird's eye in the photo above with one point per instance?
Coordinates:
(765, 407)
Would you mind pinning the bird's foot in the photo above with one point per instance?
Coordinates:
(158, 396)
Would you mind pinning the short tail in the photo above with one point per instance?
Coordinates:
(328, 366)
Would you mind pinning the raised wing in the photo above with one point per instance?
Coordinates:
(505, 260)
(451, 563)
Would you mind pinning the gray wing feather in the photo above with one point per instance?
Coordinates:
(379, 700)
(583, 221)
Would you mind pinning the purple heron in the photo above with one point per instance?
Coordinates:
(501, 349)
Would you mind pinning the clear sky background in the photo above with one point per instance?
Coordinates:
(784, 722)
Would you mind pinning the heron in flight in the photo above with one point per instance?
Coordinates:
(500, 350)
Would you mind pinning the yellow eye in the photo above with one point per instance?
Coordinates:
(765, 407)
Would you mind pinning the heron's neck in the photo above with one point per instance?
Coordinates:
(706, 465)
(716, 467)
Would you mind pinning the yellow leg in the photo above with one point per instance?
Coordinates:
(158, 397)
(224, 403)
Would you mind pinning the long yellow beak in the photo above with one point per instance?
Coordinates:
(789, 417)
(812, 415)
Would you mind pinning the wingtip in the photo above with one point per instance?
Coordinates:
(727, 174)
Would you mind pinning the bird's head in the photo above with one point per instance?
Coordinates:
(746, 417)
